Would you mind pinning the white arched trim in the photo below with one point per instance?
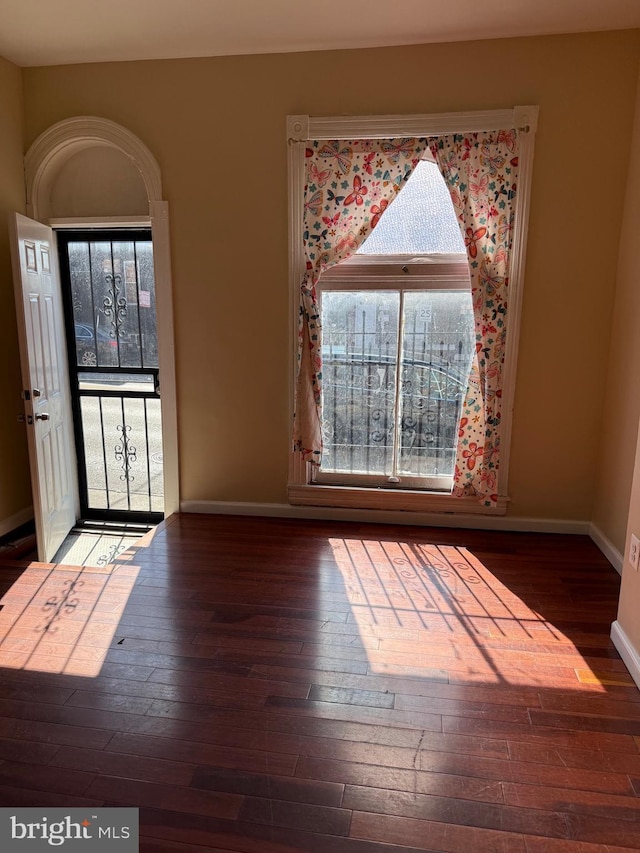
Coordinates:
(51, 150)
(57, 144)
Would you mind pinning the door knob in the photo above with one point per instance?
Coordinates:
(43, 417)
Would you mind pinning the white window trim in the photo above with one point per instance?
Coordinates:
(42, 161)
(301, 129)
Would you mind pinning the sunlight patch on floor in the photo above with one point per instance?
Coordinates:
(63, 619)
(98, 543)
(437, 612)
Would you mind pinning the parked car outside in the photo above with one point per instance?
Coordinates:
(92, 349)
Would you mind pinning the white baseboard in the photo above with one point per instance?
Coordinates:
(17, 520)
(607, 547)
(626, 651)
(426, 519)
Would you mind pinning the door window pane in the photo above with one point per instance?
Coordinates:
(113, 297)
(123, 453)
(118, 381)
(115, 376)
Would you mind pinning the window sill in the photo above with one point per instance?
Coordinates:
(390, 499)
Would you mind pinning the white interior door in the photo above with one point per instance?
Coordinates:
(45, 382)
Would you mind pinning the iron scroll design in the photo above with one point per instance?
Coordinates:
(125, 453)
(114, 305)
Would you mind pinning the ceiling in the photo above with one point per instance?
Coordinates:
(52, 32)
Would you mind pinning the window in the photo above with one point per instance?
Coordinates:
(400, 338)
(397, 341)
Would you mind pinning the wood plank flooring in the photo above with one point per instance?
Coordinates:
(267, 685)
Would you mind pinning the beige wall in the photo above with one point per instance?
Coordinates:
(620, 479)
(217, 127)
(622, 401)
(629, 605)
(15, 489)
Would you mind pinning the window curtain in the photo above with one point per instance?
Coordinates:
(481, 171)
(348, 186)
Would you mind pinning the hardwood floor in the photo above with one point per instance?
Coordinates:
(266, 685)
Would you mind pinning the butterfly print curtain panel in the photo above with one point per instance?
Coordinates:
(348, 187)
(481, 171)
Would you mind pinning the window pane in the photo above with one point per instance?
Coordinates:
(437, 348)
(116, 382)
(113, 293)
(123, 453)
(101, 275)
(147, 303)
(359, 353)
(423, 219)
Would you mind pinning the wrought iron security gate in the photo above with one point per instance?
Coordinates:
(109, 292)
